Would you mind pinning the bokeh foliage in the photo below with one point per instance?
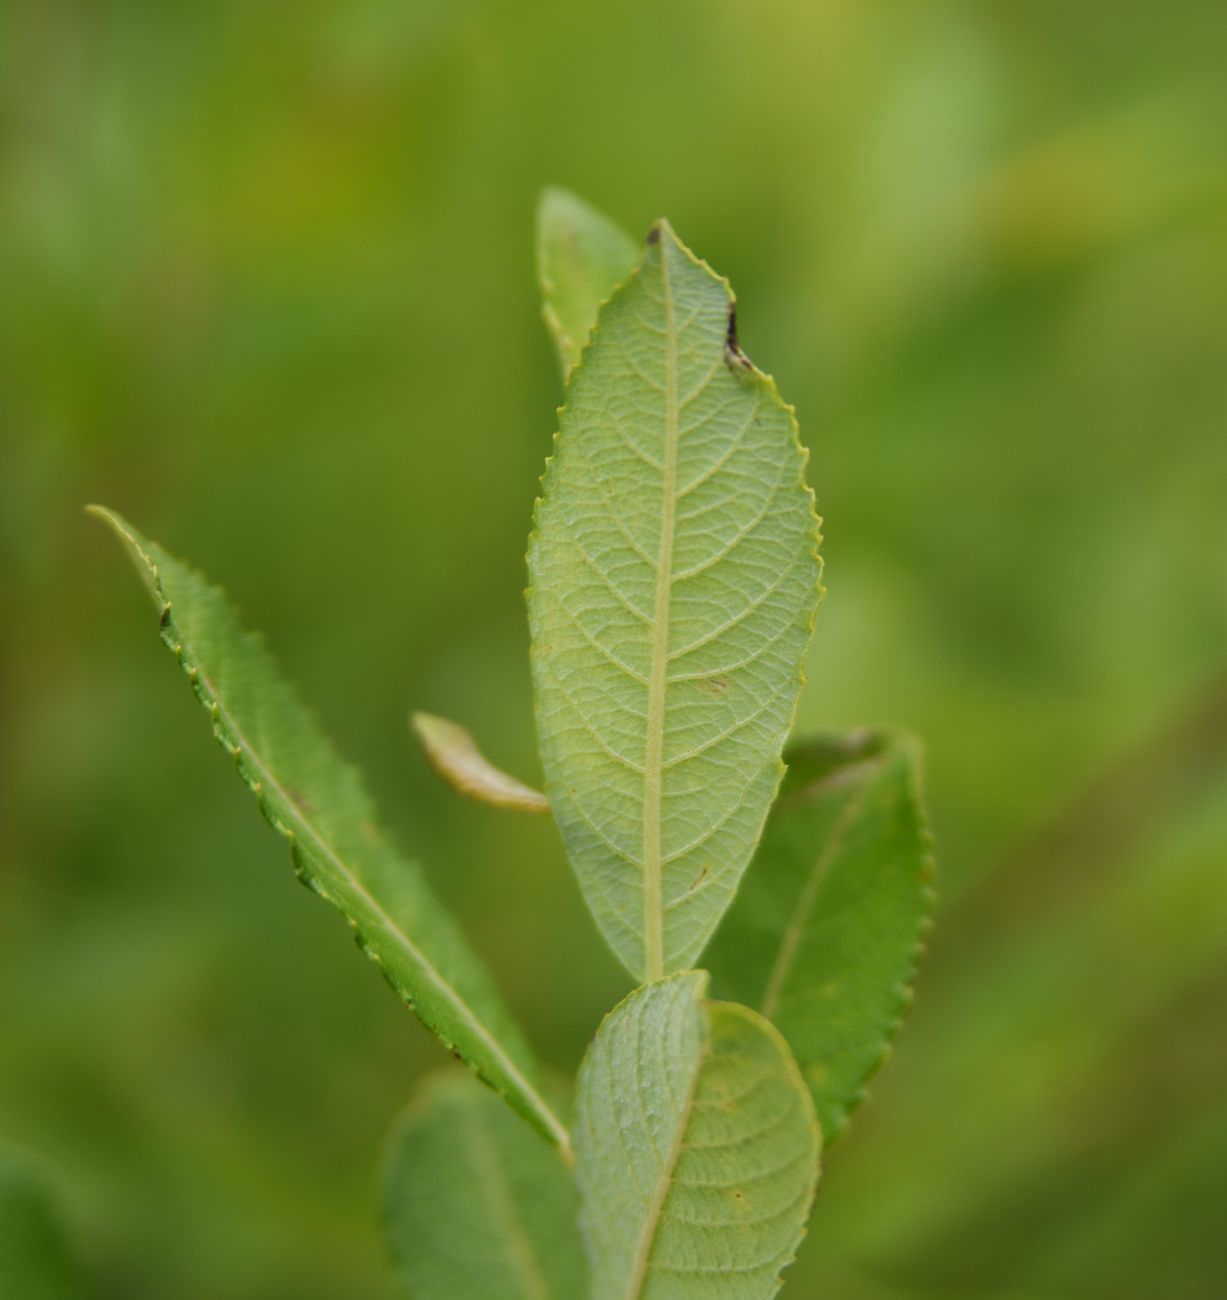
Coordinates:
(266, 284)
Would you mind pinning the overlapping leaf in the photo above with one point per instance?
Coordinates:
(319, 804)
(674, 581)
(825, 933)
(476, 1205)
(581, 257)
(696, 1149)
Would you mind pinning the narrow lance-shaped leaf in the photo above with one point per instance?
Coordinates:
(475, 1204)
(319, 804)
(674, 581)
(825, 934)
(581, 258)
(696, 1149)
(453, 753)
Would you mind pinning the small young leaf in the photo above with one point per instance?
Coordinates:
(454, 755)
(476, 1205)
(319, 804)
(674, 580)
(581, 258)
(696, 1149)
(37, 1261)
(825, 933)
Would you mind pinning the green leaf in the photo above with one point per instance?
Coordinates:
(581, 258)
(319, 804)
(825, 934)
(476, 1205)
(674, 581)
(37, 1261)
(453, 753)
(696, 1149)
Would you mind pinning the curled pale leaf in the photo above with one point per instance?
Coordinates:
(453, 753)
(825, 933)
(581, 258)
(475, 1204)
(674, 580)
(320, 805)
(696, 1149)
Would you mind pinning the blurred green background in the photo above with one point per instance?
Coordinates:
(266, 286)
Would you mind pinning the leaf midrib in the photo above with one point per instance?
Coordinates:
(664, 1185)
(790, 940)
(503, 1207)
(442, 986)
(658, 673)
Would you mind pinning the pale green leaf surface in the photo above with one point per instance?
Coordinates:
(825, 933)
(454, 754)
(696, 1149)
(319, 804)
(37, 1261)
(581, 258)
(475, 1204)
(674, 581)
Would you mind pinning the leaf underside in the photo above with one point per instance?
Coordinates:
(581, 257)
(674, 581)
(453, 753)
(826, 931)
(319, 804)
(475, 1204)
(696, 1149)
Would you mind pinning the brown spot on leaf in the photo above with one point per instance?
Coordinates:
(715, 685)
(300, 800)
(732, 349)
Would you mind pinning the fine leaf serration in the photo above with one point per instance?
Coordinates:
(825, 932)
(696, 1149)
(319, 804)
(674, 578)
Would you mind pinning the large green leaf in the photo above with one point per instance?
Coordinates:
(696, 1149)
(824, 935)
(319, 804)
(581, 257)
(37, 1261)
(674, 580)
(476, 1205)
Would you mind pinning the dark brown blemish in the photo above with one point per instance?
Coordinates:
(654, 235)
(714, 685)
(164, 617)
(733, 354)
